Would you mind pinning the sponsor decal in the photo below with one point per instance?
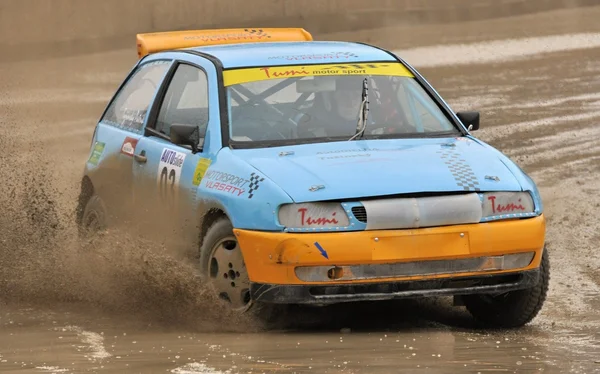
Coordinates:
(230, 183)
(96, 153)
(330, 70)
(319, 56)
(201, 168)
(506, 203)
(346, 156)
(247, 34)
(307, 220)
(225, 187)
(497, 208)
(255, 180)
(232, 179)
(169, 172)
(353, 153)
(348, 151)
(313, 216)
(128, 147)
(284, 73)
(233, 184)
(238, 76)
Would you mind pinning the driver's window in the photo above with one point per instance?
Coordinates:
(131, 104)
(186, 100)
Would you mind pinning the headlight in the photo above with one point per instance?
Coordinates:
(507, 204)
(313, 216)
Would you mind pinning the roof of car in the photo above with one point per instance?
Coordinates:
(293, 53)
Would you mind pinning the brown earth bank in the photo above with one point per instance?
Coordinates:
(33, 29)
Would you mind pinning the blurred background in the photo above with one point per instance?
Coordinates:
(39, 28)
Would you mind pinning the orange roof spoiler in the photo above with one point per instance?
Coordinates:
(159, 41)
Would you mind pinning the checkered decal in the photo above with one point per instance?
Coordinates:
(255, 180)
(461, 171)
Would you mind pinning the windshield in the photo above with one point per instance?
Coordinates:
(303, 106)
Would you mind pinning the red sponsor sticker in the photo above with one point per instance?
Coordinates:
(509, 207)
(128, 146)
(286, 73)
(308, 220)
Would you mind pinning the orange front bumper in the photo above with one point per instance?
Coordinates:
(272, 258)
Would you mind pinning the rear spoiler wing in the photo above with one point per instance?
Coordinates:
(159, 41)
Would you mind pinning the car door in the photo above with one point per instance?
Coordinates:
(166, 175)
(116, 136)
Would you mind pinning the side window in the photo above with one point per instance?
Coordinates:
(133, 101)
(427, 119)
(429, 115)
(186, 100)
(404, 101)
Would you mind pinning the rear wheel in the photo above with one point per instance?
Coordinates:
(514, 308)
(94, 219)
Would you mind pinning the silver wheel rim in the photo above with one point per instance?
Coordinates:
(228, 275)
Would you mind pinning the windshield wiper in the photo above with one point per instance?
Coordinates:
(363, 111)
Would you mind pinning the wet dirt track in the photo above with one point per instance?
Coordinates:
(126, 310)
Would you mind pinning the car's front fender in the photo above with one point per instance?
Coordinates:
(526, 182)
(248, 198)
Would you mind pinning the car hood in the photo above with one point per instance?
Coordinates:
(369, 168)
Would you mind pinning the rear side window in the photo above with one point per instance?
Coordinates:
(132, 103)
(186, 100)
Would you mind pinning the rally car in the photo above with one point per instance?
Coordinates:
(314, 172)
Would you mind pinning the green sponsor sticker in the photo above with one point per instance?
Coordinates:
(201, 167)
(96, 153)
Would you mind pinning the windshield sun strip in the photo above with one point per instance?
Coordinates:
(246, 75)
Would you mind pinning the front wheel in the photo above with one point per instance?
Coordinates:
(513, 308)
(222, 265)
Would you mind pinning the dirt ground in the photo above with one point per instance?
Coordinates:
(127, 307)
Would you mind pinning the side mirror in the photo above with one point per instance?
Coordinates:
(469, 119)
(185, 135)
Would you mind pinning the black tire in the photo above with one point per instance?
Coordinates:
(515, 308)
(94, 219)
(219, 232)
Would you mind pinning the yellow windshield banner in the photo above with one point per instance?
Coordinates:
(237, 76)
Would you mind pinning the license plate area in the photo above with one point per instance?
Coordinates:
(421, 247)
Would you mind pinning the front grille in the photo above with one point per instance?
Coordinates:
(360, 213)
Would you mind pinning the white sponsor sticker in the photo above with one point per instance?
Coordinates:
(128, 149)
(169, 168)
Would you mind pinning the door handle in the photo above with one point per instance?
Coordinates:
(141, 158)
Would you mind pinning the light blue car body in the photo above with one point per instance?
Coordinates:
(267, 178)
